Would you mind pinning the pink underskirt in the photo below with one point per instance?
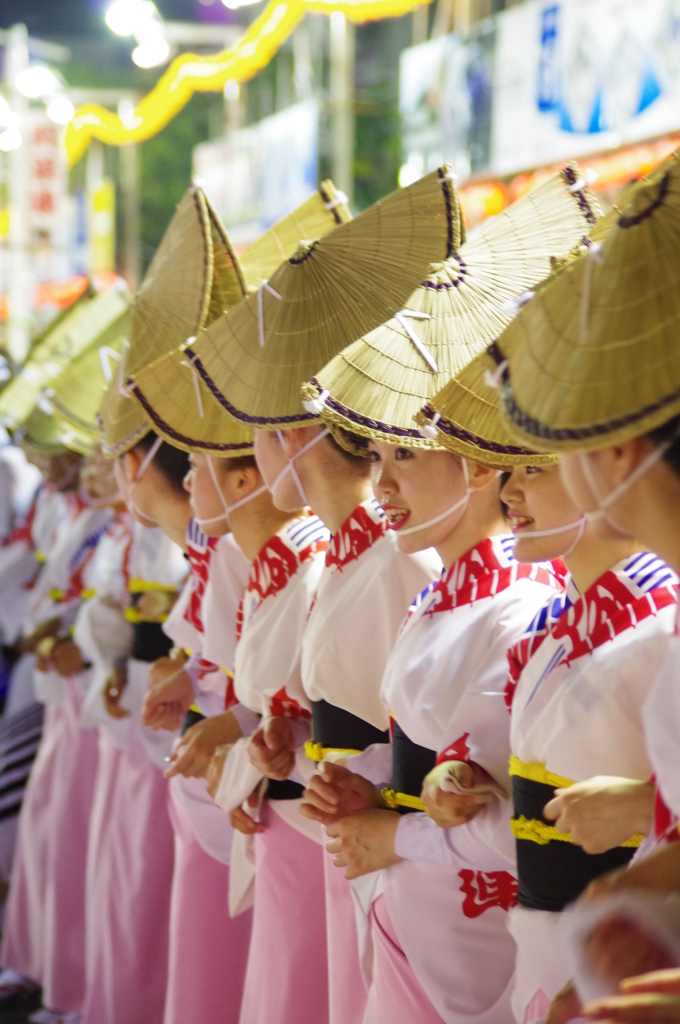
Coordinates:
(347, 991)
(208, 949)
(129, 880)
(396, 996)
(287, 976)
(44, 930)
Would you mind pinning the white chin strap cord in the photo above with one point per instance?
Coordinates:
(461, 503)
(578, 524)
(227, 508)
(144, 465)
(290, 465)
(101, 502)
(604, 501)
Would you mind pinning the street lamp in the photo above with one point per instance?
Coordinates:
(37, 81)
(141, 19)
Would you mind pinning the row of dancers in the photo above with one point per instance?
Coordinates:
(356, 635)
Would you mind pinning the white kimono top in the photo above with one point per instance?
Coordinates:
(444, 683)
(364, 592)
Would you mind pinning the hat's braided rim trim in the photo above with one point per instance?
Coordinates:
(569, 175)
(356, 419)
(447, 426)
(405, 434)
(244, 448)
(540, 430)
(302, 419)
(127, 443)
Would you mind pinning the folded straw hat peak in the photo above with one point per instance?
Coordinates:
(170, 391)
(332, 290)
(593, 359)
(378, 384)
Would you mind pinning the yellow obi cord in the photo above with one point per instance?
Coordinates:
(132, 615)
(533, 829)
(139, 586)
(317, 752)
(538, 772)
(395, 800)
(41, 557)
(56, 595)
(538, 832)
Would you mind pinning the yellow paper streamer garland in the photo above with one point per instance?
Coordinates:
(189, 73)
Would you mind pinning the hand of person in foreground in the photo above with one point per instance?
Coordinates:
(112, 692)
(66, 658)
(602, 812)
(242, 821)
(619, 948)
(335, 791)
(565, 1006)
(50, 627)
(170, 695)
(199, 743)
(450, 809)
(272, 748)
(652, 998)
(364, 842)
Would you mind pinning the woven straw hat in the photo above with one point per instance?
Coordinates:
(375, 387)
(593, 359)
(63, 341)
(77, 394)
(175, 399)
(468, 420)
(318, 215)
(193, 276)
(121, 420)
(46, 434)
(331, 291)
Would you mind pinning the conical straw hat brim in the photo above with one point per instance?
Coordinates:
(85, 321)
(77, 394)
(323, 211)
(46, 434)
(594, 358)
(180, 408)
(331, 292)
(122, 421)
(379, 383)
(172, 394)
(470, 423)
(194, 267)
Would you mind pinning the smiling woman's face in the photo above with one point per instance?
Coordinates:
(536, 500)
(413, 486)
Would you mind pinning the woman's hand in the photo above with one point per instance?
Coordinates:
(242, 821)
(170, 695)
(646, 998)
(335, 791)
(602, 812)
(619, 948)
(272, 748)
(364, 842)
(66, 658)
(199, 743)
(112, 691)
(448, 810)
